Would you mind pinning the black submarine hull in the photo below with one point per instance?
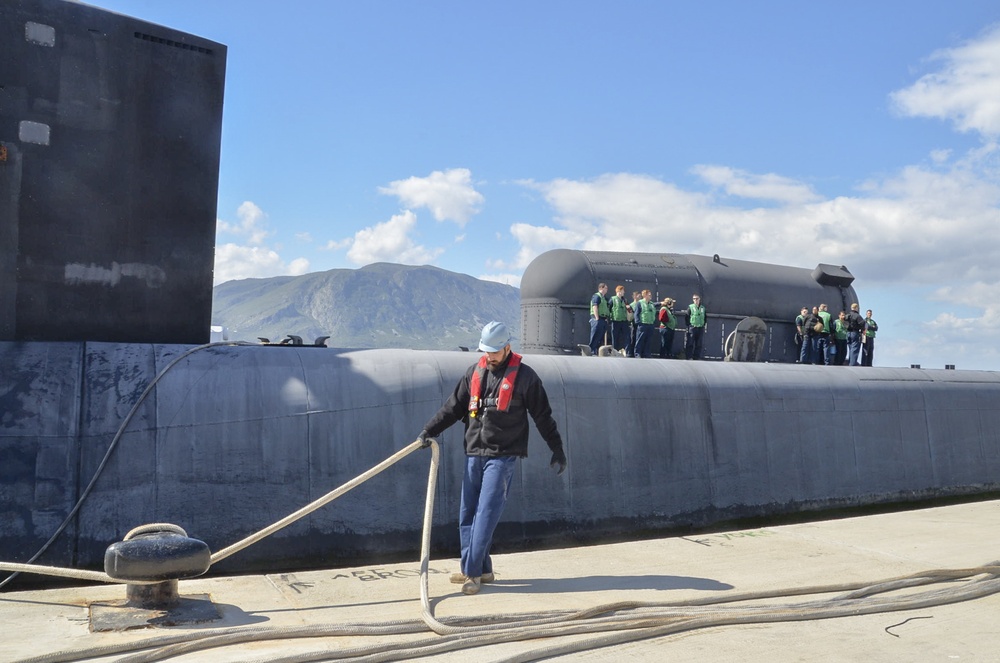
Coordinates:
(233, 438)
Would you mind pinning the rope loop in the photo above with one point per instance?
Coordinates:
(155, 527)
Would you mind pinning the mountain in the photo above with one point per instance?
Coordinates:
(382, 305)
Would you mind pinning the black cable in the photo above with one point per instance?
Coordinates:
(111, 448)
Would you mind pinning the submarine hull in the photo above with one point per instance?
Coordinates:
(232, 438)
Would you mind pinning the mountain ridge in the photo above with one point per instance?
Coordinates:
(381, 305)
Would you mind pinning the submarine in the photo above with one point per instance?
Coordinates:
(557, 286)
(116, 410)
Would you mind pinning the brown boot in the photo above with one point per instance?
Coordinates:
(461, 578)
(471, 586)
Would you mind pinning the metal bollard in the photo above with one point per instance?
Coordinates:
(158, 559)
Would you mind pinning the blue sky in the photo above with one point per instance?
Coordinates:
(476, 135)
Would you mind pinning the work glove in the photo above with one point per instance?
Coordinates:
(425, 439)
(558, 462)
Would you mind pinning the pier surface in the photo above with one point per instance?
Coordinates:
(865, 549)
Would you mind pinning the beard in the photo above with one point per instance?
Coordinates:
(494, 364)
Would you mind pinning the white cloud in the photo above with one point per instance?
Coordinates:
(507, 279)
(298, 267)
(337, 244)
(919, 224)
(252, 224)
(390, 242)
(963, 90)
(449, 194)
(233, 261)
(534, 240)
(762, 187)
(252, 258)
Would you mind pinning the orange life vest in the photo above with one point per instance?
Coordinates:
(506, 384)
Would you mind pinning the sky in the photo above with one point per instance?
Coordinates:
(474, 136)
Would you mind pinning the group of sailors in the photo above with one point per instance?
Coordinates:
(846, 339)
(628, 326)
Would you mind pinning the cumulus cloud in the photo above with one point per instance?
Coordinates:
(761, 187)
(252, 224)
(449, 194)
(250, 257)
(924, 224)
(919, 225)
(964, 88)
(390, 242)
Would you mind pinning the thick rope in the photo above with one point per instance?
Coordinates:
(323, 501)
(610, 624)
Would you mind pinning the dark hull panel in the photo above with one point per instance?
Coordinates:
(110, 136)
(234, 438)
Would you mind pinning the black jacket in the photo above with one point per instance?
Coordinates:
(495, 433)
(855, 322)
(808, 323)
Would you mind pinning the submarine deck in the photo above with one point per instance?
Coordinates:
(865, 549)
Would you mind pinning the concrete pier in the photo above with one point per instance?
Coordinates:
(706, 567)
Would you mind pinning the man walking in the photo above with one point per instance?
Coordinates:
(494, 399)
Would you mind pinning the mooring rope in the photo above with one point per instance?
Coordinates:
(607, 625)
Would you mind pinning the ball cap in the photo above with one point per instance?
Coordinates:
(494, 337)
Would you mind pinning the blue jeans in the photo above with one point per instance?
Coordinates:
(484, 494)
(821, 343)
(806, 354)
(854, 345)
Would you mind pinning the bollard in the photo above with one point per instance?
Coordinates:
(158, 559)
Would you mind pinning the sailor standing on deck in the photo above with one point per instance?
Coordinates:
(868, 352)
(855, 328)
(619, 319)
(645, 318)
(494, 399)
(599, 316)
(696, 328)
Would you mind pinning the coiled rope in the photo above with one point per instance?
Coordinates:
(609, 624)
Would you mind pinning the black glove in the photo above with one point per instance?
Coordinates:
(425, 439)
(558, 462)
